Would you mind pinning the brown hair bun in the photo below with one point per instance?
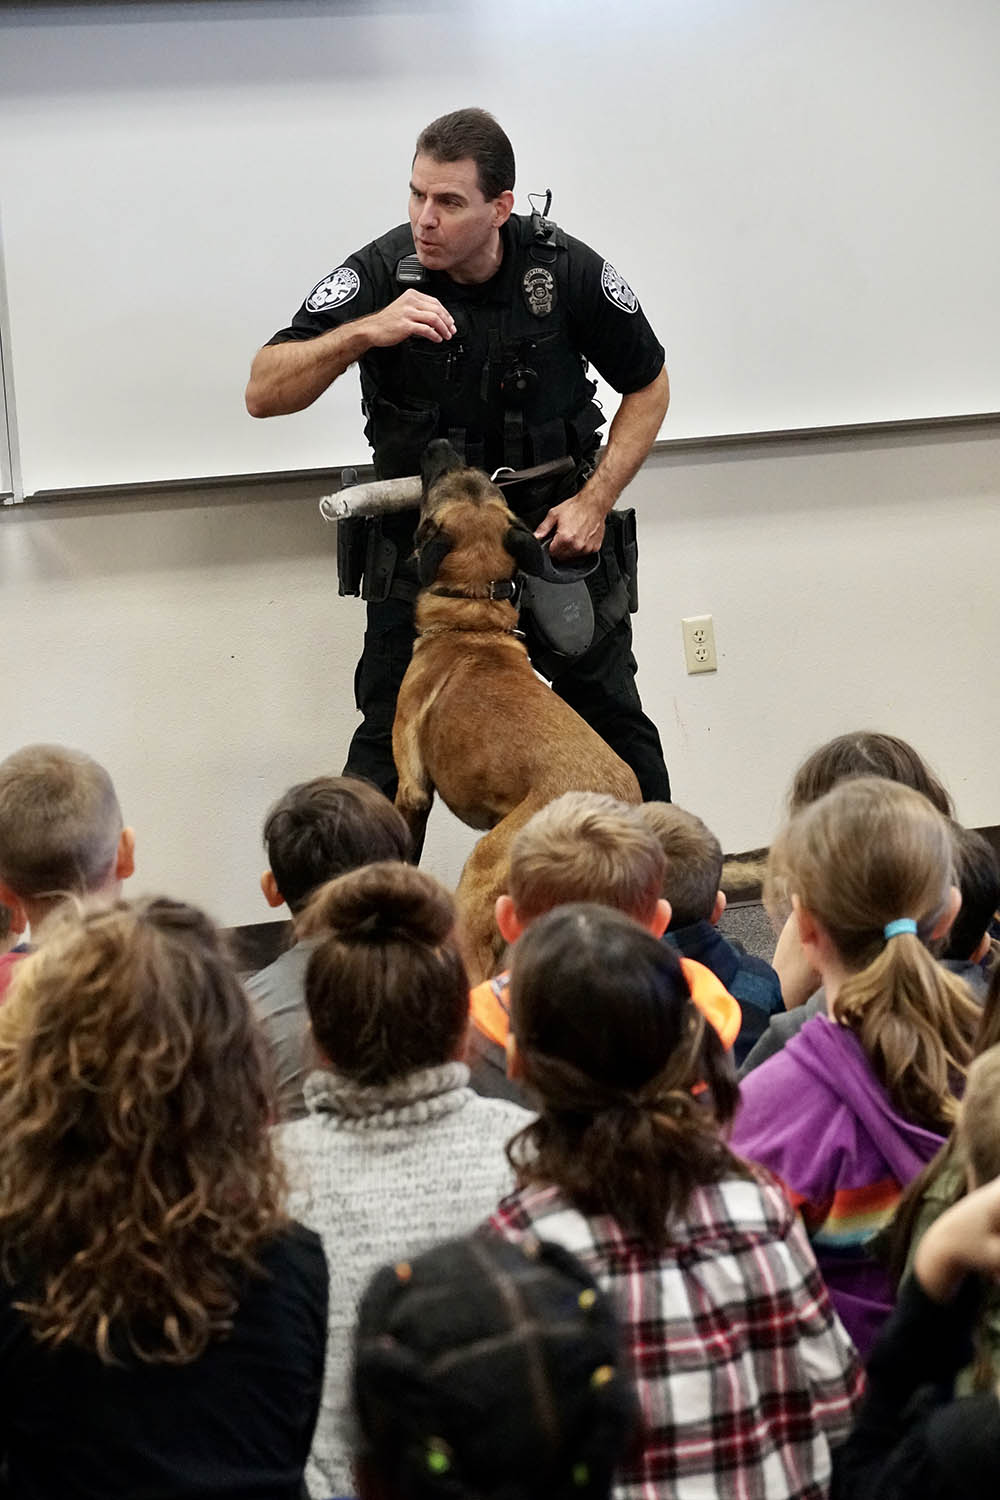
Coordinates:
(386, 987)
(383, 903)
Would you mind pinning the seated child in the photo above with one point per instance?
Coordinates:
(862, 753)
(61, 834)
(967, 945)
(970, 1158)
(318, 830)
(744, 1375)
(584, 846)
(162, 1322)
(691, 885)
(910, 1438)
(441, 1336)
(964, 949)
(396, 1152)
(862, 1098)
(865, 752)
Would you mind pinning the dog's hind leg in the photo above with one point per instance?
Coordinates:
(483, 879)
(415, 793)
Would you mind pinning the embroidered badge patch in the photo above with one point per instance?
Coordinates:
(540, 291)
(617, 289)
(340, 286)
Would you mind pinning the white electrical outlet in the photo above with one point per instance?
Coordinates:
(699, 644)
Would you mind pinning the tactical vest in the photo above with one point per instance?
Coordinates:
(509, 389)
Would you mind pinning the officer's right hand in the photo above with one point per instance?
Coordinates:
(413, 315)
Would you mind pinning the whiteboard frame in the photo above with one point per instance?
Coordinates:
(329, 478)
(11, 484)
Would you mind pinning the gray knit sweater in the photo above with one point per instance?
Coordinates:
(380, 1174)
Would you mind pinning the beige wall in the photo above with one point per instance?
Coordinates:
(197, 645)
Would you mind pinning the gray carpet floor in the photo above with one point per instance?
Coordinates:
(748, 923)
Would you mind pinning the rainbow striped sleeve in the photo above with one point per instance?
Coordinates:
(854, 1215)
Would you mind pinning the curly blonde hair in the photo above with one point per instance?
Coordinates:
(137, 1176)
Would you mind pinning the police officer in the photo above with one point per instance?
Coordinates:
(477, 324)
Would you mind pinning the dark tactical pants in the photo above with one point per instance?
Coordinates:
(600, 685)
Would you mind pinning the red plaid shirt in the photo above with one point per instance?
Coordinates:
(744, 1374)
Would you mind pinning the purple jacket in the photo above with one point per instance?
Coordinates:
(816, 1116)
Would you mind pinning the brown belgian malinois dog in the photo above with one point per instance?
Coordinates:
(473, 721)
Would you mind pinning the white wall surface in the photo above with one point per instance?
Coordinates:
(199, 649)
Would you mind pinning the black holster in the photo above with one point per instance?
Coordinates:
(626, 543)
(374, 557)
(352, 543)
(381, 557)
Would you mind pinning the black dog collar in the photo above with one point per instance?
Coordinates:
(497, 588)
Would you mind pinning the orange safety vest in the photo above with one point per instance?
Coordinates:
(488, 1004)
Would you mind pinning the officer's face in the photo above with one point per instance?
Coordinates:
(454, 226)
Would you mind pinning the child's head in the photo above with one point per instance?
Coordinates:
(61, 830)
(865, 753)
(694, 863)
(321, 829)
(866, 855)
(605, 1033)
(137, 1168)
(488, 1368)
(977, 871)
(978, 1128)
(386, 988)
(584, 847)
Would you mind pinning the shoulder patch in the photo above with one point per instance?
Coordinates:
(617, 289)
(340, 286)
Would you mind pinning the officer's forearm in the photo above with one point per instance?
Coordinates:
(630, 437)
(288, 377)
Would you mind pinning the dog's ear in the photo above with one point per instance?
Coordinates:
(525, 548)
(432, 547)
(439, 458)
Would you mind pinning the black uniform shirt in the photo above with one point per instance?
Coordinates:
(606, 323)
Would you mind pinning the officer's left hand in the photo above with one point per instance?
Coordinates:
(576, 527)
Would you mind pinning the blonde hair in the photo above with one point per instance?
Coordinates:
(694, 861)
(60, 823)
(137, 1175)
(978, 1129)
(868, 852)
(585, 846)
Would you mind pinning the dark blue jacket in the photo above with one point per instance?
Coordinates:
(748, 979)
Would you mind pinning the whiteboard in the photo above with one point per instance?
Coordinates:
(802, 193)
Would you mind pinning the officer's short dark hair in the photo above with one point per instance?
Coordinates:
(472, 133)
(977, 874)
(321, 829)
